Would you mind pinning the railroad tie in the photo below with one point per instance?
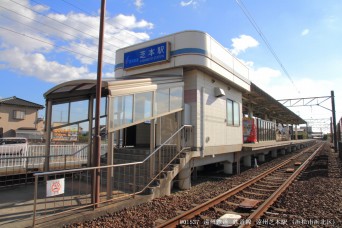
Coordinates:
(249, 203)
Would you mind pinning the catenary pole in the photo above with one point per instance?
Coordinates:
(331, 131)
(97, 137)
(334, 119)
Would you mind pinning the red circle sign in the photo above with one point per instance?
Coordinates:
(56, 187)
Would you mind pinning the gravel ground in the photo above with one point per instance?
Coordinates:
(168, 207)
(315, 199)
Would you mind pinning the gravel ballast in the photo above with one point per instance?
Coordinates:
(311, 196)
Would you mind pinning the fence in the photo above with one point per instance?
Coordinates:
(19, 162)
(266, 130)
(33, 156)
(13, 155)
(116, 181)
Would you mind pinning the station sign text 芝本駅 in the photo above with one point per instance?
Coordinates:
(149, 55)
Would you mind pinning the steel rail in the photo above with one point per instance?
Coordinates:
(206, 205)
(268, 202)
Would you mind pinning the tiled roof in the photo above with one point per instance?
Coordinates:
(20, 102)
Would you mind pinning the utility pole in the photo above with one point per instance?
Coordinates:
(331, 130)
(334, 119)
(97, 137)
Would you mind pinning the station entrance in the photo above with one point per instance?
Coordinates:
(143, 133)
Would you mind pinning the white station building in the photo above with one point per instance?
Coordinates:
(181, 97)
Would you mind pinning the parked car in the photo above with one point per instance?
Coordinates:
(13, 146)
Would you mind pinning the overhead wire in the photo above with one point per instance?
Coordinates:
(51, 44)
(84, 11)
(263, 37)
(87, 34)
(12, 11)
(87, 25)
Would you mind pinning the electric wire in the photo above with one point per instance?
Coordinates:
(50, 27)
(128, 32)
(87, 34)
(263, 37)
(87, 25)
(32, 28)
(51, 44)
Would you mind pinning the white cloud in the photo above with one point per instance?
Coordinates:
(275, 83)
(13, 9)
(305, 32)
(138, 4)
(130, 22)
(71, 31)
(242, 43)
(281, 88)
(193, 3)
(186, 3)
(40, 8)
(261, 76)
(11, 38)
(36, 65)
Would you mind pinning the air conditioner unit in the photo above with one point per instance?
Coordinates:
(219, 92)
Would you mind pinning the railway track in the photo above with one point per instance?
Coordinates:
(243, 205)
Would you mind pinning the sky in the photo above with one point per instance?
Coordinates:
(292, 47)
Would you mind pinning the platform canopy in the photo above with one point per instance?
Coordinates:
(262, 104)
(83, 89)
(75, 91)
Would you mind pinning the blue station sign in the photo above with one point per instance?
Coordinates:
(148, 55)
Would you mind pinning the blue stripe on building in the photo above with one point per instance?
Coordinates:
(182, 51)
(188, 51)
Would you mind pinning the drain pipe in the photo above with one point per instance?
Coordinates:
(202, 121)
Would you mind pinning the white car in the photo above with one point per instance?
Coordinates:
(13, 146)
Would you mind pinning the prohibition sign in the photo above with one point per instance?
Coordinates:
(55, 187)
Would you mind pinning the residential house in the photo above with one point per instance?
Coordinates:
(19, 118)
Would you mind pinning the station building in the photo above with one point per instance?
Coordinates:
(182, 97)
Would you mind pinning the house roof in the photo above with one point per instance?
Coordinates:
(20, 102)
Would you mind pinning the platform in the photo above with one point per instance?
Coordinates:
(251, 147)
(16, 208)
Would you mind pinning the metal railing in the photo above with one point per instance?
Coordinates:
(116, 181)
(18, 163)
(36, 154)
(10, 153)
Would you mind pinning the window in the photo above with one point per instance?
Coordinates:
(162, 101)
(233, 113)
(79, 111)
(229, 112)
(127, 110)
(176, 98)
(236, 111)
(123, 110)
(19, 115)
(142, 106)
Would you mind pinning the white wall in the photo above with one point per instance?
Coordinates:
(217, 134)
(214, 57)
